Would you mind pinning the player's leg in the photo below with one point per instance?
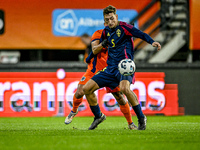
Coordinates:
(89, 89)
(77, 100)
(132, 98)
(78, 96)
(125, 109)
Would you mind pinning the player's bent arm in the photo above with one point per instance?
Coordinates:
(96, 47)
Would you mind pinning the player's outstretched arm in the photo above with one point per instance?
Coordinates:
(156, 44)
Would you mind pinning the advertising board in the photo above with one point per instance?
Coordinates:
(37, 94)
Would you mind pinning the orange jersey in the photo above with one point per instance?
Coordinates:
(99, 61)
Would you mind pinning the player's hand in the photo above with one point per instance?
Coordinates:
(104, 43)
(156, 44)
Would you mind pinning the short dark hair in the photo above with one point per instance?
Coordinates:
(109, 9)
(85, 35)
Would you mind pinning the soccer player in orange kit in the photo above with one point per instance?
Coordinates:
(97, 62)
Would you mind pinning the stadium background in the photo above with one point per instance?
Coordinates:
(29, 44)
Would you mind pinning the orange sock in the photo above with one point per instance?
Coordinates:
(76, 103)
(125, 109)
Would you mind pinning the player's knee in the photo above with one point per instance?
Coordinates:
(79, 93)
(90, 87)
(86, 90)
(125, 90)
(119, 98)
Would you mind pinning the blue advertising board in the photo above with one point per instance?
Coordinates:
(76, 22)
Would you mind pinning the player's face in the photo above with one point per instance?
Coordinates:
(111, 20)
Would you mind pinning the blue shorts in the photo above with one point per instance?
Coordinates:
(105, 78)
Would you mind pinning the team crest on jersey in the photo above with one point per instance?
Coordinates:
(118, 32)
(83, 78)
(108, 34)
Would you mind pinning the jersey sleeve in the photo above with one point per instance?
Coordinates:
(131, 30)
(96, 35)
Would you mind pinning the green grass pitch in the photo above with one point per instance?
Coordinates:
(50, 133)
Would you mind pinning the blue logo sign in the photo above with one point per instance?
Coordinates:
(76, 22)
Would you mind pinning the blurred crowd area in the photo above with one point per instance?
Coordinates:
(62, 30)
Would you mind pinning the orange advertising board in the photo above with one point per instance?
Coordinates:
(42, 94)
(28, 24)
(194, 24)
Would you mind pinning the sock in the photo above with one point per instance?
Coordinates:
(138, 111)
(96, 111)
(76, 103)
(125, 109)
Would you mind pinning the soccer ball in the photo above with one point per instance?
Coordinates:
(126, 67)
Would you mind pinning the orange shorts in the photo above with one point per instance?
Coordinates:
(86, 77)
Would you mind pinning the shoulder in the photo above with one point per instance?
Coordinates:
(97, 35)
(97, 32)
(124, 24)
